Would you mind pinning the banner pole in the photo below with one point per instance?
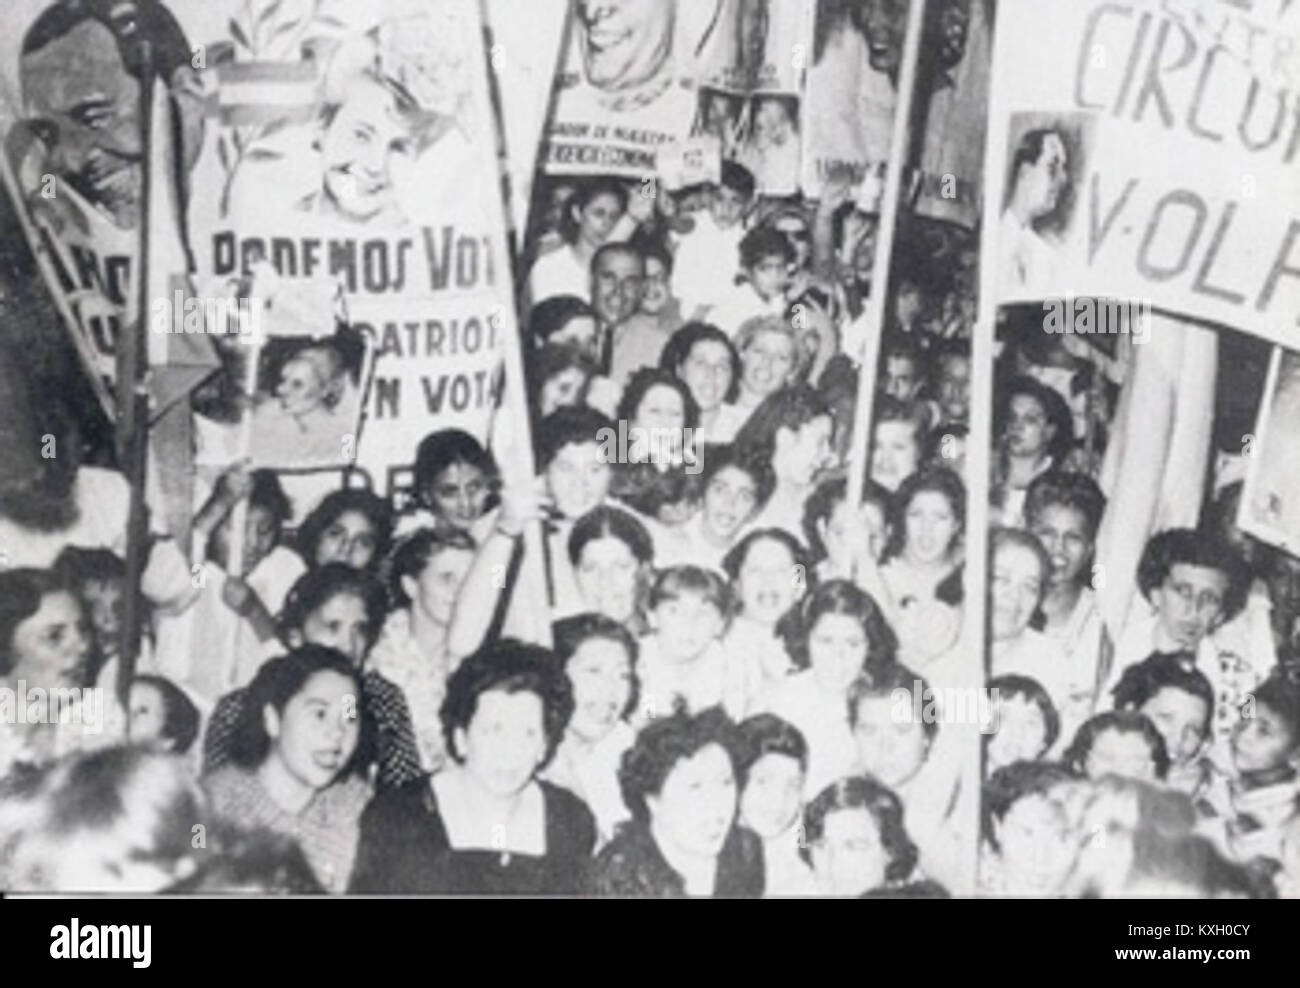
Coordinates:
(519, 467)
(889, 207)
(133, 399)
(979, 448)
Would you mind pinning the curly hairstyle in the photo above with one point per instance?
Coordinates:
(507, 666)
(1164, 670)
(1055, 410)
(768, 734)
(1058, 488)
(791, 407)
(752, 327)
(317, 587)
(663, 743)
(333, 506)
(585, 193)
(571, 633)
(937, 480)
(679, 346)
(862, 792)
(1189, 547)
(752, 462)
(548, 362)
(1125, 722)
(734, 560)
(276, 683)
(838, 597)
(639, 385)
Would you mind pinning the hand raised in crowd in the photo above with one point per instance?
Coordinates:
(234, 484)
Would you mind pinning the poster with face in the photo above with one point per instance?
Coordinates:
(1038, 220)
(307, 406)
(751, 79)
(1149, 88)
(72, 119)
(628, 84)
(351, 146)
(850, 92)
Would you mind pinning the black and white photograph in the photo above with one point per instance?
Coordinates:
(836, 449)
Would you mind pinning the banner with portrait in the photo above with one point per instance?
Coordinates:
(350, 152)
(751, 77)
(849, 96)
(1097, 110)
(628, 84)
(74, 160)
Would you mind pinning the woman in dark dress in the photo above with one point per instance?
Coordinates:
(679, 782)
(486, 824)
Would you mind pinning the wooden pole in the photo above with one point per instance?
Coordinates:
(879, 299)
(518, 466)
(979, 451)
(133, 396)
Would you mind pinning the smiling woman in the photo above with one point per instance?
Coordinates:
(301, 738)
(486, 824)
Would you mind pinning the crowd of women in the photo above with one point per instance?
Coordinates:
(351, 703)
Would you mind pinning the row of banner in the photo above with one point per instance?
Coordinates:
(338, 163)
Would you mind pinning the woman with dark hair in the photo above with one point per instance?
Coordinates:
(566, 321)
(558, 377)
(342, 609)
(612, 555)
(836, 635)
(855, 841)
(45, 643)
(598, 656)
(679, 783)
(296, 758)
(702, 356)
(349, 526)
(1035, 432)
(486, 824)
(587, 222)
(793, 427)
(900, 432)
(456, 484)
(769, 574)
(772, 763)
(919, 583)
